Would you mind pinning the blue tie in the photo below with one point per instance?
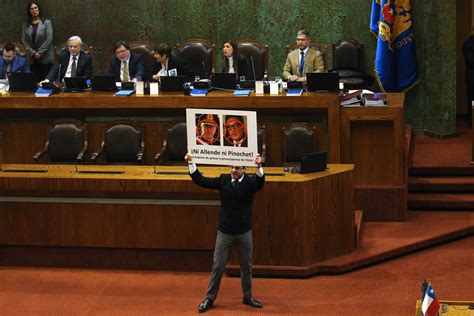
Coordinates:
(301, 64)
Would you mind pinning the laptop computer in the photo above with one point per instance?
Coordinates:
(103, 83)
(222, 80)
(312, 162)
(172, 83)
(22, 82)
(322, 81)
(75, 84)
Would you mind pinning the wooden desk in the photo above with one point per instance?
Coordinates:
(373, 138)
(24, 115)
(298, 220)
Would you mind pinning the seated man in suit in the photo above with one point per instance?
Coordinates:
(126, 65)
(72, 62)
(302, 60)
(10, 62)
(170, 65)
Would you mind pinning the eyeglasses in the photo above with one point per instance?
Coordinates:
(233, 126)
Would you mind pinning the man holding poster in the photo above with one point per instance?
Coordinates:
(237, 190)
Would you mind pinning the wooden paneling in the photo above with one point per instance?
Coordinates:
(298, 219)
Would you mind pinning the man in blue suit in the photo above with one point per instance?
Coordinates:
(126, 66)
(10, 62)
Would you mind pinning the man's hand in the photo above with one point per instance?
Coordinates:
(258, 161)
(44, 81)
(188, 158)
(293, 78)
(156, 77)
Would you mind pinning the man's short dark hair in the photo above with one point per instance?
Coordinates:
(9, 47)
(121, 43)
(303, 32)
(163, 49)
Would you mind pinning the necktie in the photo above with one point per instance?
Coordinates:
(125, 72)
(9, 67)
(73, 67)
(235, 183)
(301, 64)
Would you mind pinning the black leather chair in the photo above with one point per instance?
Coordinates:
(66, 142)
(20, 50)
(253, 49)
(298, 139)
(197, 51)
(323, 49)
(261, 142)
(347, 61)
(123, 142)
(147, 50)
(174, 146)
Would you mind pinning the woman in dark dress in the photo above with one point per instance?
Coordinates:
(235, 62)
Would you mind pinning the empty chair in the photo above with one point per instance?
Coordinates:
(323, 49)
(258, 52)
(122, 142)
(147, 50)
(66, 142)
(200, 54)
(347, 61)
(174, 146)
(298, 139)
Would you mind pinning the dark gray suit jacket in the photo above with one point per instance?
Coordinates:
(43, 42)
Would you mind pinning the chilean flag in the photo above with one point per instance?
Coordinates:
(430, 306)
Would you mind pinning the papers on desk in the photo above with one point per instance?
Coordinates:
(198, 92)
(375, 99)
(244, 93)
(41, 92)
(353, 99)
(294, 92)
(124, 93)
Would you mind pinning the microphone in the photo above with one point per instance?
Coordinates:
(59, 72)
(253, 68)
(205, 70)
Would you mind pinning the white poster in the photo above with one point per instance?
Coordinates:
(222, 137)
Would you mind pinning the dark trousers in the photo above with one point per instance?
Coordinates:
(222, 251)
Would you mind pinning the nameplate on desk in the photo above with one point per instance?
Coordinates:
(99, 171)
(25, 170)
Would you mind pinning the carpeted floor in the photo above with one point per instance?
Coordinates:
(389, 288)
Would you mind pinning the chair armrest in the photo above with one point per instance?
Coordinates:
(140, 153)
(263, 154)
(96, 154)
(162, 151)
(41, 153)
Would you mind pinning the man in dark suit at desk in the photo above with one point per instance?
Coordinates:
(170, 65)
(126, 65)
(10, 62)
(73, 61)
(237, 190)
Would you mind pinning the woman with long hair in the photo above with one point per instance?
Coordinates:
(234, 62)
(37, 36)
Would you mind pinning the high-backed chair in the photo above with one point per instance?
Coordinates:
(122, 142)
(347, 61)
(147, 50)
(20, 50)
(261, 142)
(258, 52)
(323, 49)
(86, 48)
(66, 142)
(196, 52)
(298, 139)
(174, 146)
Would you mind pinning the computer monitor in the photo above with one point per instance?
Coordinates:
(75, 84)
(172, 83)
(322, 81)
(22, 82)
(312, 162)
(223, 80)
(103, 83)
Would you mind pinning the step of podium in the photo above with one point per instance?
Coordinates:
(441, 184)
(441, 201)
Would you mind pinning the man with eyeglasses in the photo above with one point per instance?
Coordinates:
(235, 132)
(237, 190)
